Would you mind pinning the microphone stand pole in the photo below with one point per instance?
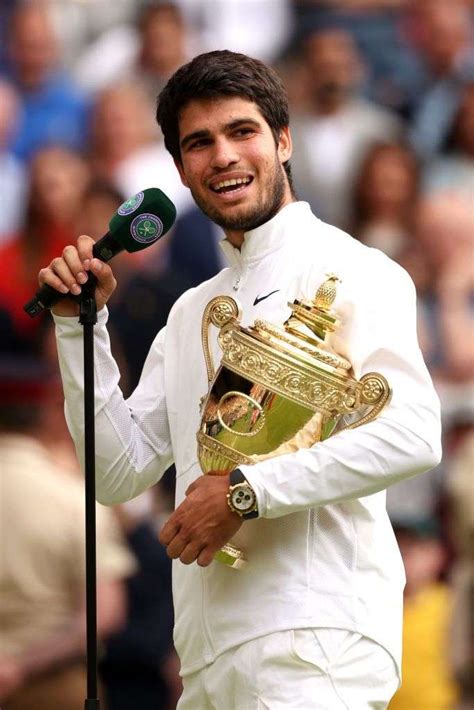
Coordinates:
(88, 318)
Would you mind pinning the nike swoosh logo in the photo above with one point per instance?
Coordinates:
(262, 298)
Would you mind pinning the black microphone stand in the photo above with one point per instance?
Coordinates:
(88, 318)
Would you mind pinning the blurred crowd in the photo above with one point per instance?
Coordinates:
(382, 107)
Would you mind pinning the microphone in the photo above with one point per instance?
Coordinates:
(139, 222)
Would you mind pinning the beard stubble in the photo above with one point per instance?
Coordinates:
(253, 216)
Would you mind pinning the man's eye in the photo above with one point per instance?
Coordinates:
(199, 143)
(244, 131)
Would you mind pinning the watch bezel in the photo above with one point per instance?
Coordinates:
(233, 490)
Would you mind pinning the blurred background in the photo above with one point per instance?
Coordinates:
(382, 107)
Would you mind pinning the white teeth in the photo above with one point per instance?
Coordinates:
(228, 183)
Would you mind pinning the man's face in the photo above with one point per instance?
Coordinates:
(33, 45)
(334, 65)
(231, 164)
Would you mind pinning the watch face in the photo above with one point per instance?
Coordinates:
(243, 498)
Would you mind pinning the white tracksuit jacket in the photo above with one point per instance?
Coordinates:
(322, 553)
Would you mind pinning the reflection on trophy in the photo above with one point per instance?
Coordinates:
(278, 389)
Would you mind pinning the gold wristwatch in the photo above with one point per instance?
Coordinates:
(241, 497)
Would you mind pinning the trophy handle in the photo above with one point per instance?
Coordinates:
(375, 392)
(220, 311)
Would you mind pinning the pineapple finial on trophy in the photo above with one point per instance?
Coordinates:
(326, 293)
(316, 314)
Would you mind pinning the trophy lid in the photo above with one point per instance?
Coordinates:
(309, 325)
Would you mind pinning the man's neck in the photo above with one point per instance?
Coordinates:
(237, 237)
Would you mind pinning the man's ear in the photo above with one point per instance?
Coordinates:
(285, 144)
(179, 168)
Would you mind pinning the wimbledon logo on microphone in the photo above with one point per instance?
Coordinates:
(146, 228)
(131, 204)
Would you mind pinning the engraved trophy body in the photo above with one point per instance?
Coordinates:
(278, 389)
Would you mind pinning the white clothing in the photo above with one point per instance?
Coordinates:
(13, 188)
(108, 59)
(322, 553)
(302, 669)
(259, 28)
(328, 152)
(81, 22)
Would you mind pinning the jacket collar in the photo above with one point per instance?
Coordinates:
(269, 237)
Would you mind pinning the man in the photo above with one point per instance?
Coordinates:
(314, 619)
(52, 109)
(444, 42)
(339, 127)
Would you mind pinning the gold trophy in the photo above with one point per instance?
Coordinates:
(278, 389)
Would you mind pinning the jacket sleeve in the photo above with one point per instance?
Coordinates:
(379, 335)
(132, 439)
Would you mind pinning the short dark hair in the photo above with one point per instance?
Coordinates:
(223, 73)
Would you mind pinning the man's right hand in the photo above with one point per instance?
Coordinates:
(68, 272)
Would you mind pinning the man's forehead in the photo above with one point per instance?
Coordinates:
(204, 114)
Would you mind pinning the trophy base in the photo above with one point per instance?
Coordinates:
(231, 556)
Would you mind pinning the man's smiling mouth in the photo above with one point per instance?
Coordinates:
(231, 185)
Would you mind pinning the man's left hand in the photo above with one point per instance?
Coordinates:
(203, 523)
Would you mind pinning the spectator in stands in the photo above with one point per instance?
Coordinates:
(58, 180)
(440, 261)
(126, 148)
(427, 679)
(394, 73)
(385, 192)
(163, 45)
(52, 110)
(331, 140)
(42, 580)
(454, 168)
(459, 487)
(121, 125)
(13, 178)
(146, 52)
(443, 34)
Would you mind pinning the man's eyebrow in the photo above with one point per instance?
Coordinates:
(240, 121)
(196, 135)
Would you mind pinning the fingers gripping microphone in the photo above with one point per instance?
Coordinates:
(138, 223)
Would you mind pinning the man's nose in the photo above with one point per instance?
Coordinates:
(223, 153)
